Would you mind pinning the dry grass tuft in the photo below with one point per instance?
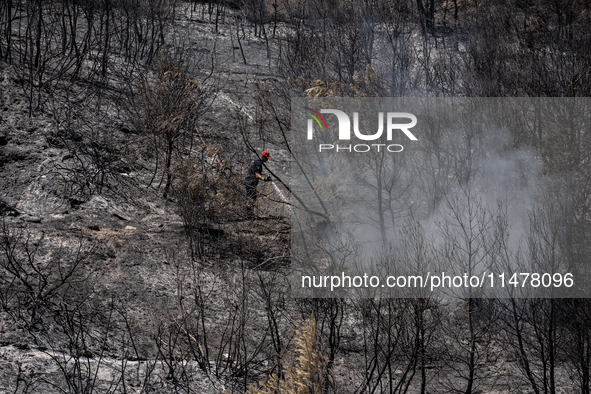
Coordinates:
(305, 376)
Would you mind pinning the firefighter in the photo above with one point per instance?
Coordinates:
(255, 173)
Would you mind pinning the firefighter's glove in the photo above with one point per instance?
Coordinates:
(267, 178)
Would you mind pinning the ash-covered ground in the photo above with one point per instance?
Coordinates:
(112, 283)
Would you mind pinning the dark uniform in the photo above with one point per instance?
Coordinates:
(251, 182)
(255, 173)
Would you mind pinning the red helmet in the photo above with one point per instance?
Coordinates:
(266, 154)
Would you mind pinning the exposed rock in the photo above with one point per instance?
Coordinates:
(32, 219)
(50, 371)
(121, 216)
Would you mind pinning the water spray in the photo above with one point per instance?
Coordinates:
(282, 196)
